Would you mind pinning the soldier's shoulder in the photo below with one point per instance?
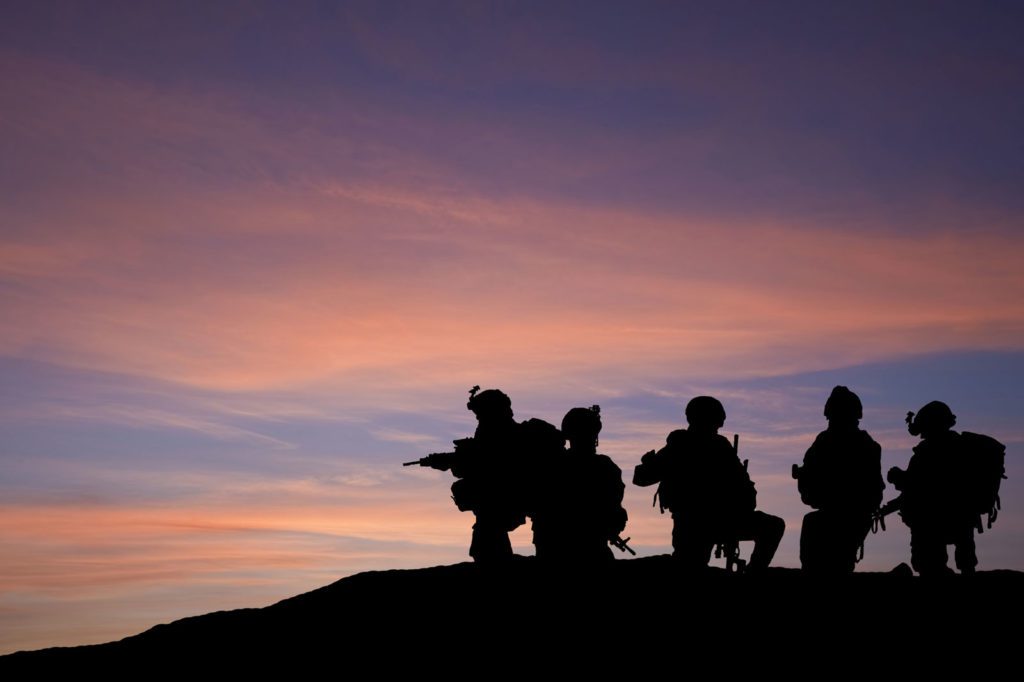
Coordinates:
(817, 449)
(605, 463)
(721, 444)
(921, 449)
(867, 441)
(719, 439)
(822, 438)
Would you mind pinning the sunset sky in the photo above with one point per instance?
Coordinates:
(253, 255)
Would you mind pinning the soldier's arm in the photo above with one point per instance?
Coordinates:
(876, 470)
(889, 507)
(898, 478)
(442, 461)
(611, 479)
(744, 485)
(610, 490)
(814, 454)
(615, 522)
(464, 461)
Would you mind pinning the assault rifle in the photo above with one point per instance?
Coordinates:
(622, 544)
(443, 461)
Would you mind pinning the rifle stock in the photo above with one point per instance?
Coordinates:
(622, 544)
(878, 518)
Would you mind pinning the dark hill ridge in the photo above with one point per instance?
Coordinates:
(639, 612)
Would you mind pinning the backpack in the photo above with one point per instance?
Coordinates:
(541, 436)
(985, 470)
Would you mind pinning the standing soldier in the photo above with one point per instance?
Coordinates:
(951, 480)
(708, 491)
(492, 468)
(841, 478)
(580, 510)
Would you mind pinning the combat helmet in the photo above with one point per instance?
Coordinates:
(705, 411)
(933, 417)
(489, 403)
(582, 423)
(843, 404)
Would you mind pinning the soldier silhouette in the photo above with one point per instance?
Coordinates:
(708, 491)
(580, 509)
(952, 479)
(841, 478)
(492, 468)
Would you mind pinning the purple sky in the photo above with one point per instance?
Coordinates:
(252, 255)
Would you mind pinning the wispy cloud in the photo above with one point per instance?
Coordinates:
(399, 436)
(341, 272)
(136, 416)
(241, 282)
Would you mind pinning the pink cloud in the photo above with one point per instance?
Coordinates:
(371, 283)
(225, 240)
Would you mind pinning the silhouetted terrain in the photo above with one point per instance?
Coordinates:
(469, 619)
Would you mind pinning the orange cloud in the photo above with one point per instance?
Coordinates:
(94, 573)
(228, 241)
(612, 294)
(395, 275)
